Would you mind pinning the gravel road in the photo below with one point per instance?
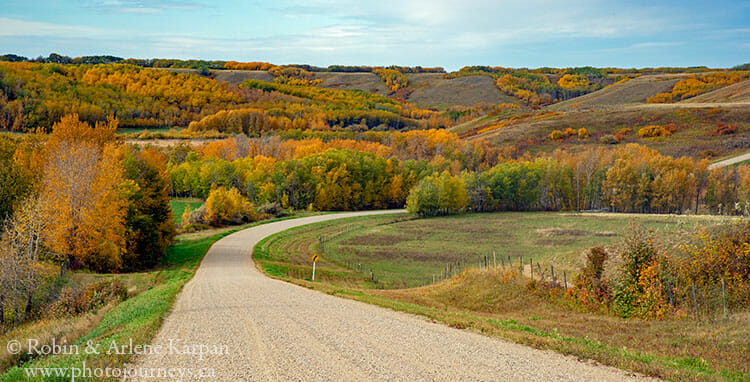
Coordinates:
(730, 161)
(264, 329)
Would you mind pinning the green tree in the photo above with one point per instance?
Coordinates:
(149, 223)
(438, 195)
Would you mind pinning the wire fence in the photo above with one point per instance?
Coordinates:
(721, 297)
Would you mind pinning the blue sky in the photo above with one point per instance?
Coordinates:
(448, 33)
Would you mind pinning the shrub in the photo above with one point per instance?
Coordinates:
(228, 207)
(609, 139)
(639, 291)
(273, 209)
(723, 129)
(583, 133)
(556, 135)
(657, 131)
(591, 289)
(568, 132)
(725, 254)
(72, 301)
(625, 131)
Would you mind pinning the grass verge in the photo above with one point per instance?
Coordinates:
(179, 205)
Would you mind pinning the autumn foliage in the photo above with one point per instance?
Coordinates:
(697, 84)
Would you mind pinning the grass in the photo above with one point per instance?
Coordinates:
(179, 205)
(137, 130)
(498, 302)
(138, 318)
(403, 252)
(691, 139)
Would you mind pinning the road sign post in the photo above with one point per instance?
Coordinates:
(315, 260)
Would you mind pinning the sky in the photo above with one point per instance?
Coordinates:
(447, 33)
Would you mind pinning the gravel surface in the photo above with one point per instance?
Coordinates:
(730, 161)
(266, 329)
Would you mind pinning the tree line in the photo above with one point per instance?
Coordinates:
(626, 179)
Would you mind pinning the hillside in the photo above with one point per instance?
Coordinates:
(739, 92)
(634, 91)
(429, 90)
(434, 91)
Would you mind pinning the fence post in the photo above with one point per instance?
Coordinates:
(502, 262)
(695, 300)
(531, 268)
(670, 292)
(565, 280)
(552, 272)
(480, 262)
(723, 296)
(510, 264)
(541, 278)
(494, 259)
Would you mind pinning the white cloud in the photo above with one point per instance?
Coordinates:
(142, 6)
(654, 44)
(18, 28)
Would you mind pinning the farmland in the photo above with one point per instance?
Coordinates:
(403, 252)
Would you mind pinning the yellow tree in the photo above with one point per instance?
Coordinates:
(81, 180)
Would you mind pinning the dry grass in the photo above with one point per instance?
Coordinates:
(710, 348)
(62, 331)
(691, 138)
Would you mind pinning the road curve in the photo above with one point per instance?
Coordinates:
(264, 329)
(730, 161)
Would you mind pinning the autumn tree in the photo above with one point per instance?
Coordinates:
(81, 181)
(14, 186)
(26, 260)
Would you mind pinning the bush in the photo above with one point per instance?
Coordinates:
(583, 133)
(228, 207)
(639, 291)
(609, 139)
(567, 132)
(591, 289)
(556, 135)
(73, 301)
(657, 131)
(273, 209)
(723, 129)
(726, 254)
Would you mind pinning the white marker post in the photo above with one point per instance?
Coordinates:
(315, 260)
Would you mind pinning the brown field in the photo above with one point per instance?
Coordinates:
(634, 91)
(739, 92)
(433, 91)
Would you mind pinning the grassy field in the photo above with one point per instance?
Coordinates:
(178, 206)
(135, 130)
(404, 252)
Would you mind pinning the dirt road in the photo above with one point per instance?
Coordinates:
(263, 329)
(730, 161)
